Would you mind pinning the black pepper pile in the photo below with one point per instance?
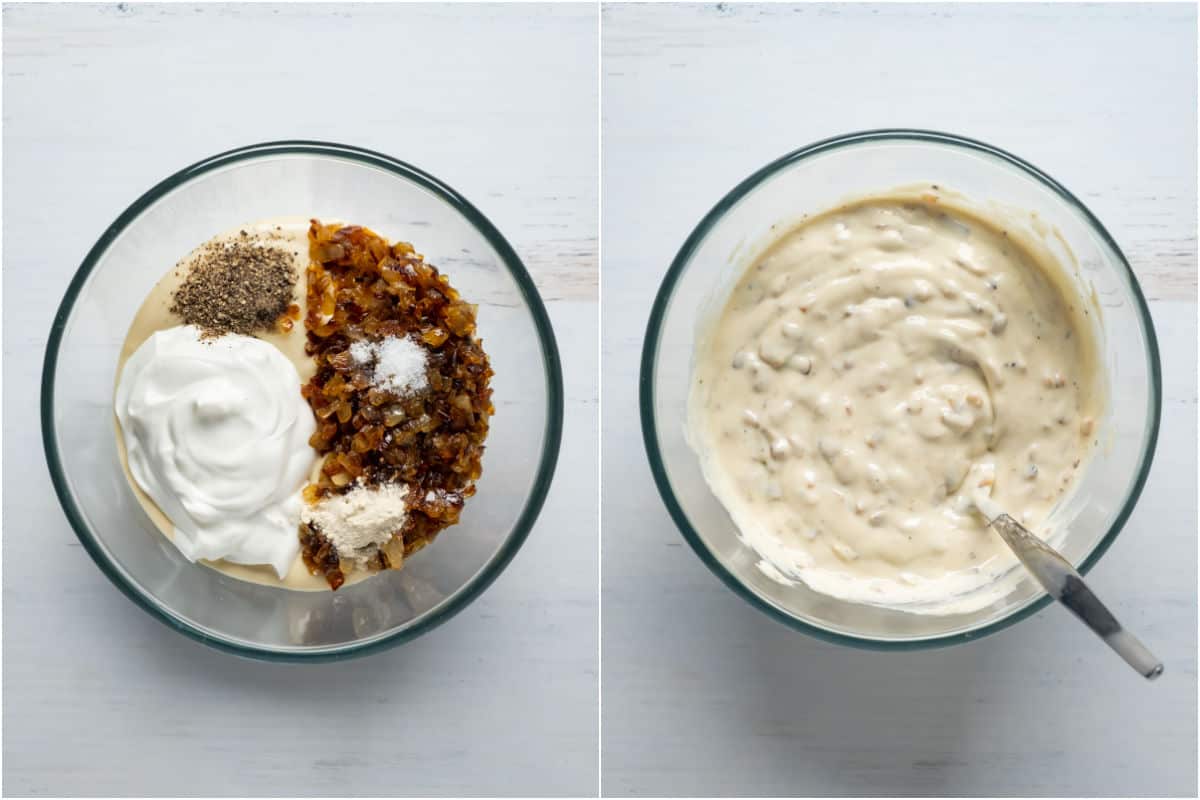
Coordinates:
(236, 286)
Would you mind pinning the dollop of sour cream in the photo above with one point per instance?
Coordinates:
(217, 432)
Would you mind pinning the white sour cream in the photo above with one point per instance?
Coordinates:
(216, 433)
(872, 368)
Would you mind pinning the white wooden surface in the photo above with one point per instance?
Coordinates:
(100, 102)
(702, 693)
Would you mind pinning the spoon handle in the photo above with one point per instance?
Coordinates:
(1064, 584)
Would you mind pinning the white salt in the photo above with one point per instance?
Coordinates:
(399, 363)
(363, 352)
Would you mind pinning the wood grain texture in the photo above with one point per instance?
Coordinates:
(103, 101)
(704, 695)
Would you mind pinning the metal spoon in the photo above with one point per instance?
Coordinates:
(1064, 584)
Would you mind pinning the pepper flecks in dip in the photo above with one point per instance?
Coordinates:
(870, 370)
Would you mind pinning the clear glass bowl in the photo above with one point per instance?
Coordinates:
(813, 179)
(319, 180)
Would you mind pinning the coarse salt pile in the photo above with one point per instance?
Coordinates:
(358, 522)
(399, 363)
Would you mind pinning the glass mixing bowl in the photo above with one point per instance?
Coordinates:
(317, 180)
(818, 177)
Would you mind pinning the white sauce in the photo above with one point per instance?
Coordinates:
(216, 433)
(870, 369)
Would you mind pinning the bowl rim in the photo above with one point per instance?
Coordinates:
(552, 433)
(1040, 599)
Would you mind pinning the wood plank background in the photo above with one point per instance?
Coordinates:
(705, 695)
(103, 101)
(702, 694)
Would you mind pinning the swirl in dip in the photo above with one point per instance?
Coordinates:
(871, 369)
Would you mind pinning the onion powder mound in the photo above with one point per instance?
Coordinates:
(358, 522)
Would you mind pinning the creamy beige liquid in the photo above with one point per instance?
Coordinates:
(287, 233)
(871, 369)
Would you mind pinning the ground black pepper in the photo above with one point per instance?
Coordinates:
(236, 285)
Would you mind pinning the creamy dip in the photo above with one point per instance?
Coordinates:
(870, 369)
(287, 233)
